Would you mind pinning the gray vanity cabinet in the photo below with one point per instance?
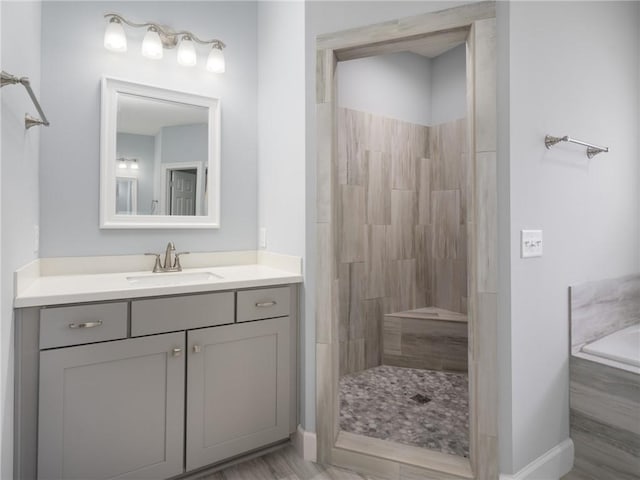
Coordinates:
(112, 410)
(238, 382)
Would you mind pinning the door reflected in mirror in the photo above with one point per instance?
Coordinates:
(160, 158)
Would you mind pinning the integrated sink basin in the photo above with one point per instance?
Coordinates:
(168, 279)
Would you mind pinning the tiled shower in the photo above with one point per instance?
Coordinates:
(401, 236)
(402, 280)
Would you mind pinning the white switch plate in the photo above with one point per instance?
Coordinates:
(262, 237)
(530, 243)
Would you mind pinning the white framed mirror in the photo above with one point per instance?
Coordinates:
(159, 157)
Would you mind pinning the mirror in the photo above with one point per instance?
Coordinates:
(160, 158)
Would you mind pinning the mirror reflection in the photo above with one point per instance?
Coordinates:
(161, 157)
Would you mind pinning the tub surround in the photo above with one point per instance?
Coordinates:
(604, 393)
(602, 307)
(55, 281)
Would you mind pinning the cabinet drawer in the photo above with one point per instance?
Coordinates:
(263, 303)
(158, 315)
(62, 326)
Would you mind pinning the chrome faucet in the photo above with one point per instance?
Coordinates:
(171, 260)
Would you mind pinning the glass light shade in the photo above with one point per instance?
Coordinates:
(122, 164)
(187, 53)
(114, 37)
(152, 45)
(215, 61)
(134, 164)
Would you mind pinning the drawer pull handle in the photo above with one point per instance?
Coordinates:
(266, 304)
(197, 349)
(86, 324)
(176, 352)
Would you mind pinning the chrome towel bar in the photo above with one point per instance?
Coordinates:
(592, 150)
(29, 121)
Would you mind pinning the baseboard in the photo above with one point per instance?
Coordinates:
(305, 444)
(552, 465)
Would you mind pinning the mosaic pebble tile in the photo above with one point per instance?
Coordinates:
(386, 402)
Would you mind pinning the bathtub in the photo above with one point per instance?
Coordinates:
(622, 346)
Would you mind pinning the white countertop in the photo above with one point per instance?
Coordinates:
(58, 289)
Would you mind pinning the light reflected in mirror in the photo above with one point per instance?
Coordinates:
(161, 157)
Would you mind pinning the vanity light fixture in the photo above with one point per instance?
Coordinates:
(159, 37)
(124, 163)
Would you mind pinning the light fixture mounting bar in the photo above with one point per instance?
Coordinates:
(168, 36)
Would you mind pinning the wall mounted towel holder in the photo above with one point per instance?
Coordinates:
(29, 121)
(592, 150)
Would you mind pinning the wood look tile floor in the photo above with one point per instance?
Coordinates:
(283, 463)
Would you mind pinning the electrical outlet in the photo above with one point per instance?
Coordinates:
(530, 243)
(262, 237)
(36, 238)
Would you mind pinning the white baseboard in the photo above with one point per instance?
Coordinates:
(551, 465)
(305, 444)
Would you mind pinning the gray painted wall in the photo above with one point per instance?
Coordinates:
(449, 86)
(281, 157)
(19, 195)
(73, 62)
(141, 147)
(406, 86)
(396, 85)
(588, 209)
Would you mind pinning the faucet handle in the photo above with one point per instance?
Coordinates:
(177, 265)
(157, 267)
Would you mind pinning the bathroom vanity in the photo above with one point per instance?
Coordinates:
(153, 381)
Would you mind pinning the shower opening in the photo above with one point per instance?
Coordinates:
(402, 213)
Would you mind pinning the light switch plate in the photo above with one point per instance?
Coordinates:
(530, 243)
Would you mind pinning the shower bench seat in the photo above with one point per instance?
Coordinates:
(428, 338)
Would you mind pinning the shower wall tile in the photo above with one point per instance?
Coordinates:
(403, 171)
(445, 294)
(401, 206)
(356, 289)
(424, 191)
(375, 261)
(403, 220)
(378, 188)
(351, 223)
(344, 298)
(446, 223)
(373, 313)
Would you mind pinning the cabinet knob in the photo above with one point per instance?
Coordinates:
(176, 352)
(197, 349)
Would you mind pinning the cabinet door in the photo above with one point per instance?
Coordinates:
(112, 410)
(237, 389)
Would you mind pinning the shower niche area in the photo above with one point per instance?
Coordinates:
(402, 248)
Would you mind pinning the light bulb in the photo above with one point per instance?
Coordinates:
(122, 163)
(215, 61)
(152, 45)
(114, 37)
(187, 52)
(134, 164)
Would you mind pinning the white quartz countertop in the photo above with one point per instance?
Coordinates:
(59, 289)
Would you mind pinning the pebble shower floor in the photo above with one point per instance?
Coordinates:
(424, 408)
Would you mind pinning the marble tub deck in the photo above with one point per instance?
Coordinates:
(388, 402)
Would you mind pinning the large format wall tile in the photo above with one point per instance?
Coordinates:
(400, 228)
(602, 307)
(378, 188)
